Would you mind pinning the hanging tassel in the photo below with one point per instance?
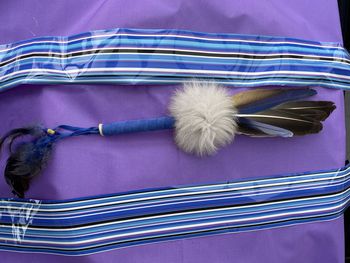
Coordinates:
(205, 117)
(29, 158)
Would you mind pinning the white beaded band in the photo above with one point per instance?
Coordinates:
(100, 129)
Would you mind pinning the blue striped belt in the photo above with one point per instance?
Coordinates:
(127, 56)
(91, 225)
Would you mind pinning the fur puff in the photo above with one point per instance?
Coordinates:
(205, 117)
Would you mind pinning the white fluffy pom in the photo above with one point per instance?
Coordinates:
(205, 117)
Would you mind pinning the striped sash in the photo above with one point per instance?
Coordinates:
(126, 56)
(91, 225)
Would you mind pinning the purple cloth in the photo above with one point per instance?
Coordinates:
(94, 165)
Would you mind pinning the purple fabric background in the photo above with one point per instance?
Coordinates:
(90, 166)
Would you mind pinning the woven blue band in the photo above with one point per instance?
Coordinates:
(162, 123)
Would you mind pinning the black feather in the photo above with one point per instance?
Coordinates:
(248, 130)
(27, 159)
(311, 114)
(297, 124)
(253, 128)
(319, 110)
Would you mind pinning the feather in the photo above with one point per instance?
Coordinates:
(319, 110)
(13, 134)
(30, 157)
(258, 129)
(294, 123)
(27, 159)
(259, 99)
(276, 112)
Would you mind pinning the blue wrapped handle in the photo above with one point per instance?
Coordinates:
(162, 123)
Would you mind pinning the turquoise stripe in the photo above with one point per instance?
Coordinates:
(60, 63)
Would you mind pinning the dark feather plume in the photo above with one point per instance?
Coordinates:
(26, 159)
(295, 123)
(276, 112)
(319, 110)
